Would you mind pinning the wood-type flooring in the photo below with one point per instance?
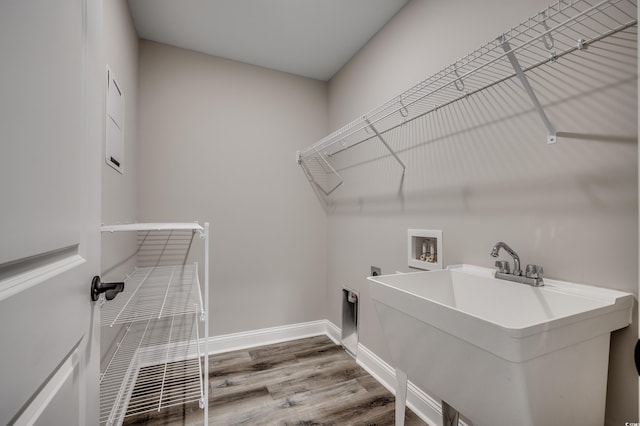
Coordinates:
(309, 381)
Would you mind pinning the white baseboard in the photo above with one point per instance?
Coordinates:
(266, 336)
(425, 407)
(333, 332)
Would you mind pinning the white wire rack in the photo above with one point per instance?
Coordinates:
(562, 28)
(156, 365)
(164, 247)
(155, 292)
(158, 361)
(191, 226)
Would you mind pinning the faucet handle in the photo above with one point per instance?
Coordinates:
(534, 271)
(503, 266)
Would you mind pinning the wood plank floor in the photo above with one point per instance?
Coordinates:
(302, 382)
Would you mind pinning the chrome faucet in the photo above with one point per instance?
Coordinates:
(533, 273)
(512, 253)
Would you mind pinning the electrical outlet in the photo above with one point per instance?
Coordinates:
(375, 271)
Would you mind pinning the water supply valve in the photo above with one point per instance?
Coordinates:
(533, 271)
(503, 266)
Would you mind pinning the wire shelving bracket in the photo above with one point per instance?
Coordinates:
(551, 137)
(372, 127)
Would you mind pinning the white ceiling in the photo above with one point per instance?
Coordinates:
(311, 38)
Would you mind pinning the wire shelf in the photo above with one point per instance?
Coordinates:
(155, 292)
(562, 28)
(164, 248)
(156, 365)
(193, 226)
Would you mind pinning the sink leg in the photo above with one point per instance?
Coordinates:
(450, 415)
(401, 396)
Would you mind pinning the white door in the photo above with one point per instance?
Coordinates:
(50, 142)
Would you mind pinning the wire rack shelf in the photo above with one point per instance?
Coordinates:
(192, 226)
(156, 365)
(565, 26)
(161, 357)
(155, 292)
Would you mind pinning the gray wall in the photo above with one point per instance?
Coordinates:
(119, 196)
(119, 191)
(217, 144)
(481, 171)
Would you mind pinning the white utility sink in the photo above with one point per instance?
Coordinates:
(500, 352)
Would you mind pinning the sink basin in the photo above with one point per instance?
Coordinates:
(498, 351)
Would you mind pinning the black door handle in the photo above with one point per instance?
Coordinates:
(110, 290)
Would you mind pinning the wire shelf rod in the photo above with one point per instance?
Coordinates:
(166, 293)
(115, 354)
(164, 375)
(205, 388)
(200, 374)
(196, 284)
